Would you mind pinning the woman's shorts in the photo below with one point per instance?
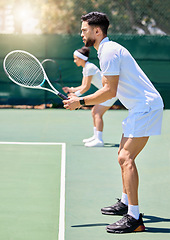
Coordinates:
(143, 124)
(109, 102)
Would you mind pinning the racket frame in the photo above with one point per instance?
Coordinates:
(58, 80)
(53, 90)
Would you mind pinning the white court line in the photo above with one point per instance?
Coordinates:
(32, 143)
(61, 233)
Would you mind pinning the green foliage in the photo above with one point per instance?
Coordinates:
(126, 16)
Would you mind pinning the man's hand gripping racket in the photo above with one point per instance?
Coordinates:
(25, 70)
(73, 103)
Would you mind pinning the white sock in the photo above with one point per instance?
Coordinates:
(124, 198)
(95, 132)
(133, 210)
(99, 135)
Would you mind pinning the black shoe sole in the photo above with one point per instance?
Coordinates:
(113, 214)
(140, 228)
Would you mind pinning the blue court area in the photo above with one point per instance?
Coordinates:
(30, 188)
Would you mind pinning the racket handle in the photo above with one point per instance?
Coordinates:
(62, 96)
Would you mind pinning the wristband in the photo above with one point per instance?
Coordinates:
(77, 93)
(82, 102)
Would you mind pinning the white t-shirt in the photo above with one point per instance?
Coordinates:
(135, 90)
(92, 70)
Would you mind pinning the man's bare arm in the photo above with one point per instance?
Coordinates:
(109, 90)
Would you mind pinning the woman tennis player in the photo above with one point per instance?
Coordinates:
(91, 75)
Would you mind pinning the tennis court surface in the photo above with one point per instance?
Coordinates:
(42, 198)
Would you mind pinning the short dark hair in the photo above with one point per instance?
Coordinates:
(84, 50)
(97, 19)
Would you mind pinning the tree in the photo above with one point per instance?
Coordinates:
(126, 16)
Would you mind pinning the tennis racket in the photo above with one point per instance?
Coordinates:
(25, 70)
(53, 71)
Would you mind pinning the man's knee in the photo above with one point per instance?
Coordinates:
(124, 159)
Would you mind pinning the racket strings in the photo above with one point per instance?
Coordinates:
(24, 69)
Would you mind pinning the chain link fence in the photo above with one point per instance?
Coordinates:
(137, 17)
(141, 17)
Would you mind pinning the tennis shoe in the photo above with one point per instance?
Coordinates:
(117, 209)
(127, 224)
(88, 139)
(95, 143)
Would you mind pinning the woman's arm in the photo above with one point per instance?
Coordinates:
(84, 87)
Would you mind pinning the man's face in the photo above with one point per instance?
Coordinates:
(87, 34)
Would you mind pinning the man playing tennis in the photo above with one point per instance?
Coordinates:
(122, 77)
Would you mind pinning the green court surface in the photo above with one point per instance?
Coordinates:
(30, 177)
(30, 191)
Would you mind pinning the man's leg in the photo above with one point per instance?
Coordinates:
(128, 151)
(121, 208)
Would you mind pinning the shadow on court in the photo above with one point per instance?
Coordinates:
(106, 145)
(154, 219)
(91, 225)
(149, 219)
(111, 145)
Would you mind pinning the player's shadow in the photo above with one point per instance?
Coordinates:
(90, 225)
(147, 219)
(154, 219)
(106, 145)
(111, 145)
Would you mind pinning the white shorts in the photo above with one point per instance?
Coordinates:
(109, 102)
(143, 124)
